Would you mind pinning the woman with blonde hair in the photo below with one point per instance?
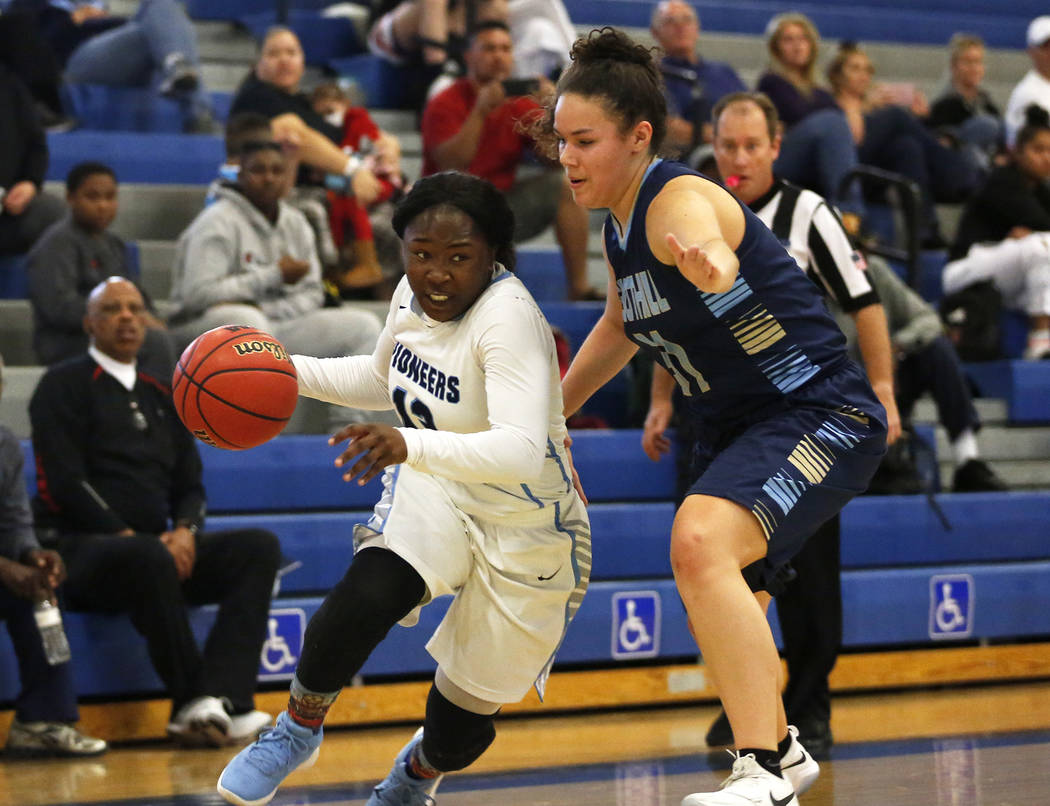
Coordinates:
(817, 150)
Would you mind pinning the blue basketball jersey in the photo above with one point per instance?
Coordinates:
(733, 354)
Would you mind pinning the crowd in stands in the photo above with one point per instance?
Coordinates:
(297, 225)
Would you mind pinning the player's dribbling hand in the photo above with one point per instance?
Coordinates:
(702, 264)
(375, 445)
(654, 441)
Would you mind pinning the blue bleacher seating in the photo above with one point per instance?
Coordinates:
(894, 551)
(385, 86)
(235, 9)
(1023, 384)
(14, 280)
(898, 21)
(132, 109)
(139, 157)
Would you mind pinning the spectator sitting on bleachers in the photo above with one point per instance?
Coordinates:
(475, 127)
(272, 89)
(817, 151)
(25, 211)
(428, 36)
(964, 109)
(120, 496)
(1034, 87)
(927, 362)
(693, 84)
(885, 124)
(1004, 233)
(156, 48)
(250, 259)
(72, 257)
(362, 232)
(46, 708)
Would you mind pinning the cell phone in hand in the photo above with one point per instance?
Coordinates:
(520, 86)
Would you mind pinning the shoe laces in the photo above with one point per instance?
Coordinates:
(743, 767)
(274, 748)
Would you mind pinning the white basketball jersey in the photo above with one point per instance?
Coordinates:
(480, 396)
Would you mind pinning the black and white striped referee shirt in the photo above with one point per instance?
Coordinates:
(814, 236)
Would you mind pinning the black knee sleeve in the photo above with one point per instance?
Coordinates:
(454, 738)
(378, 590)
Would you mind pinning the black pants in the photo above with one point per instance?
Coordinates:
(136, 575)
(936, 369)
(810, 612)
(47, 693)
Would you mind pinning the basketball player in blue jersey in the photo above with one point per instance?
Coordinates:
(478, 499)
(789, 427)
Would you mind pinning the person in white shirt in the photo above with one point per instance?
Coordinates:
(478, 501)
(1034, 88)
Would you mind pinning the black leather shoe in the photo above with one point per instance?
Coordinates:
(976, 476)
(719, 734)
(816, 737)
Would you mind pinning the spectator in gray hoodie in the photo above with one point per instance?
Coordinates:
(251, 259)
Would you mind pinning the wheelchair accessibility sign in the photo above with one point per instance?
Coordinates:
(283, 644)
(951, 605)
(636, 625)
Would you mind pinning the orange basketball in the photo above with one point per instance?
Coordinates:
(235, 387)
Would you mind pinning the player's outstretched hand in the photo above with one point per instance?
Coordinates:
(374, 444)
(702, 264)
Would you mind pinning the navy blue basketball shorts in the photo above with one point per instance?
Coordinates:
(793, 470)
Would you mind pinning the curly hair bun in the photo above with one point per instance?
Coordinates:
(609, 44)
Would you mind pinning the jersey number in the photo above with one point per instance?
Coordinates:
(419, 409)
(674, 359)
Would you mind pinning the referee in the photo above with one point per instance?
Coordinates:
(747, 141)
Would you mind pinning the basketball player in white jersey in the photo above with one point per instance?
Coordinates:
(478, 499)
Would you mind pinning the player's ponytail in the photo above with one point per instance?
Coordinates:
(622, 75)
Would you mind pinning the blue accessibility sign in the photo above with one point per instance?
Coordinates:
(636, 625)
(283, 644)
(952, 599)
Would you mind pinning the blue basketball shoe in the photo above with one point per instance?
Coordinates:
(253, 775)
(401, 789)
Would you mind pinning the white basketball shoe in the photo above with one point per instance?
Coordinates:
(749, 784)
(797, 765)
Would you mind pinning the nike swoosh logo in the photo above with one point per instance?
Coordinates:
(781, 801)
(802, 760)
(544, 579)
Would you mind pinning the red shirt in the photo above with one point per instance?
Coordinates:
(500, 146)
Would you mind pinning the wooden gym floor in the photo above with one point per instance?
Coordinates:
(967, 746)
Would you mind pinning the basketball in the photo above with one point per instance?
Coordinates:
(235, 387)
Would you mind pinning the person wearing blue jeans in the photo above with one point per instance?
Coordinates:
(818, 152)
(156, 48)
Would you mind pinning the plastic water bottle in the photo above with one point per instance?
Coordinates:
(49, 622)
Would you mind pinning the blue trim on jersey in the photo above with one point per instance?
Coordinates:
(552, 453)
(789, 371)
(388, 499)
(718, 304)
(528, 494)
(630, 218)
(572, 603)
